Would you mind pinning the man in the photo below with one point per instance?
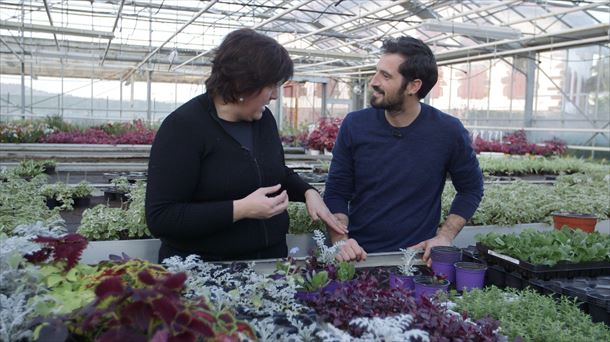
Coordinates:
(390, 162)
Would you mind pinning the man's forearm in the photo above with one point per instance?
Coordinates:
(452, 226)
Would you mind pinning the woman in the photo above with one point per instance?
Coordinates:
(217, 182)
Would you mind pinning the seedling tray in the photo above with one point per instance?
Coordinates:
(561, 269)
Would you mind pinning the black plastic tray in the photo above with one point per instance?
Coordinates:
(561, 269)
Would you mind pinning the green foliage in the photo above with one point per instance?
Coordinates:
(57, 123)
(65, 194)
(531, 316)
(300, 222)
(345, 271)
(313, 281)
(121, 184)
(105, 223)
(549, 247)
(21, 202)
(29, 168)
(538, 165)
(523, 202)
(82, 189)
(67, 290)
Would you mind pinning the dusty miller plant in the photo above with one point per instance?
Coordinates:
(245, 291)
(391, 328)
(326, 254)
(20, 279)
(408, 256)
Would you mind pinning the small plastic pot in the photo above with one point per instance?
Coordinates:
(469, 275)
(444, 269)
(427, 286)
(402, 281)
(82, 202)
(446, 254)
(583, 222)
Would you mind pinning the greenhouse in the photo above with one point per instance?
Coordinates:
(304, 170)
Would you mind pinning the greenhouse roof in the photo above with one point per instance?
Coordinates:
(119, 39)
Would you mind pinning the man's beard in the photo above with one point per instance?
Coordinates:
(389, 103)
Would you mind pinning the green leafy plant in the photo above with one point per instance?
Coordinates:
(313, 280)
(567, 322)
(523, 202)
(300, 221)
(29, 168)
(105, 223)
(345, 271)
(22, 203)
(550, 247)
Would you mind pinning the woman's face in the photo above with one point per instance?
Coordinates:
(253, 105)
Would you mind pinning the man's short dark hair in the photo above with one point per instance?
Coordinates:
(245, 63)
(419, 64)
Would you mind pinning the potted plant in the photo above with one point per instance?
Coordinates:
(323, 137)
(67, 197)
(81, 193)
(407, 270)
(48, 166)
(428, 286)
(469, 275)
(311, 284)
(584, 222)
(118, 190)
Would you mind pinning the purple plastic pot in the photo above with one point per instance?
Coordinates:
(401, 281)
(446, 254)
(469, 275)
(444, 269)
(308, 295)
(425, 286)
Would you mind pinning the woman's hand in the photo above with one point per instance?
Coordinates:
(258, 205)
(319, 211)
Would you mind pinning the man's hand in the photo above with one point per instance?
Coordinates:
(258, 205)
(444, 236)
(319, 211)
(439, 240)
(351, 250)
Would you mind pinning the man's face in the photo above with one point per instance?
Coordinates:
(386, 84)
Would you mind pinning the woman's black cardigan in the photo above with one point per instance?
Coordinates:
(195, 172)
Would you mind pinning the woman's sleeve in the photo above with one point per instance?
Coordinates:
(173, 176)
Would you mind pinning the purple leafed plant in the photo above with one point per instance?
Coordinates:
(66, 248)
(368, 298)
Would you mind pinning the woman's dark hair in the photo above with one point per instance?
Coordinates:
(419, 64)
(245, 63)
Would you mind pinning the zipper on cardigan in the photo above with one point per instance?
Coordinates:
(260, 184)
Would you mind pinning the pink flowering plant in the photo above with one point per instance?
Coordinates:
(324, 135)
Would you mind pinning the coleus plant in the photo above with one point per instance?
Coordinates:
(155, 312)
(67, 248)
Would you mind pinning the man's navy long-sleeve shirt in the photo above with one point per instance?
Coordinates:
(389, 180)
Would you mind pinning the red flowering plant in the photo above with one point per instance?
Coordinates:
(324, 135)
(516, 143)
